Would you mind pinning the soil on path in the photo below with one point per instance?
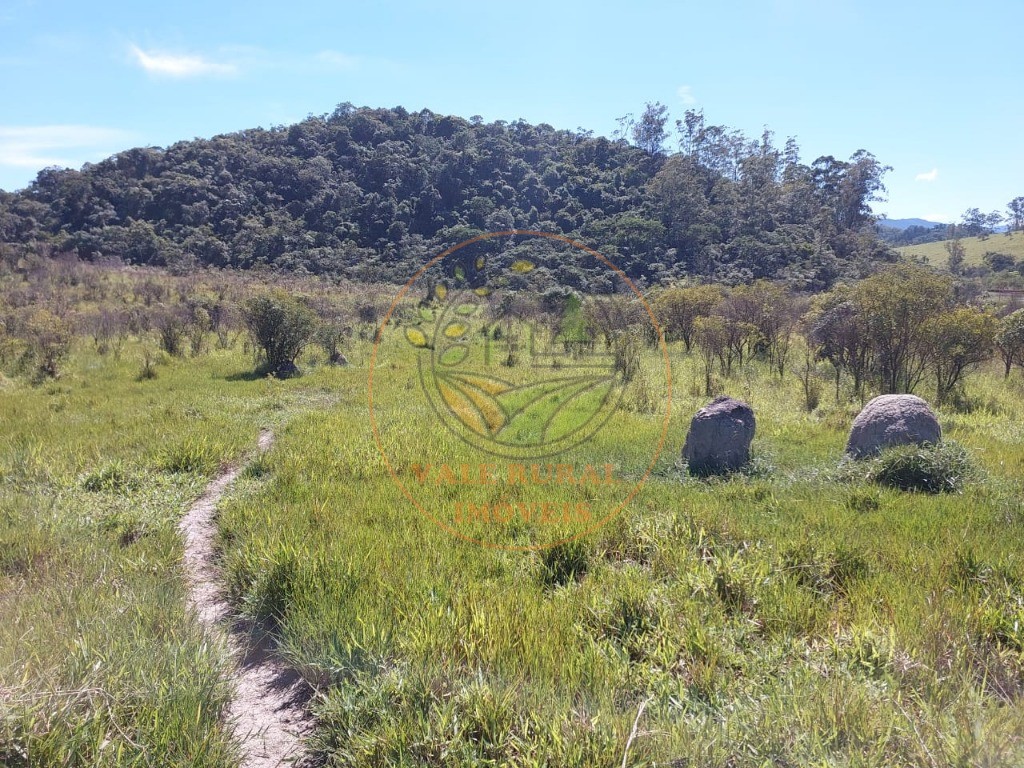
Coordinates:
(268, 708)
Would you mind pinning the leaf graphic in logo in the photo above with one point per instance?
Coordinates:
(482, 291)
(455, 330)
(550, 410)
(523, 415)
(563, 412)
(462, 407)
(466, 309)
(522, 266)
(416, 337)
(489, 384)
(473, 407)
(441, 291)
(454, 355)
(480, 261)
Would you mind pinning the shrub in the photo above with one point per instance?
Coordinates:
(942, 468)
(148, 371)
(627, 353)
(170, 326)
(281, 326)
(49, 338)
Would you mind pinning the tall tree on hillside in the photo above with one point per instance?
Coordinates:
(1015, 209)
(957, 253)
(649, 132)
(994, 220)
(974, 223)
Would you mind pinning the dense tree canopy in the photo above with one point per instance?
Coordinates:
(371, 193)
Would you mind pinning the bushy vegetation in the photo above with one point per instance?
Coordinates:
(281, 326)
(374, 193)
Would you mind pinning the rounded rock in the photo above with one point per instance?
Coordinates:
(719, 437)
(892, 420)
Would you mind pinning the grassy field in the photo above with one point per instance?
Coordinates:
(796, 614)
(99, 664)
(1011, 244)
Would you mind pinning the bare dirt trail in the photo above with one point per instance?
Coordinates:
(268, 707)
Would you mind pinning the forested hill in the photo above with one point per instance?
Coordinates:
(372, 193)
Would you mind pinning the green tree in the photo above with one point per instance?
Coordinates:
(957, 253)
(998, 262)
(1010, 340)
(768, 308)
(649, 131)
(898, 305)
(281, 326)
(677, 309)
(1015, 213)
(961, 340)
(712, 339)
(837, 331)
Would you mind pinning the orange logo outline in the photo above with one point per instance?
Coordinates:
(601, 522)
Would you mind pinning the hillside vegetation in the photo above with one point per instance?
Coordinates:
(975, 248)
(372, 193)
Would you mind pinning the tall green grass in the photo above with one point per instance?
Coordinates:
(796, 614)
(99, 663)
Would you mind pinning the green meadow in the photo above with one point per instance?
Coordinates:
(794, 614)
(975, 248)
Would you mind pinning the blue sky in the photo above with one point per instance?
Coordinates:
(931, 88)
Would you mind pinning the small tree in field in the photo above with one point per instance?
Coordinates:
(1010, 340)
(281, 326)
(678, 308)
(49, 338)
(712, 339)
(962, 339)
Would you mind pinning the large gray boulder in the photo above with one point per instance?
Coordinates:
(891, 420)
(719, 437)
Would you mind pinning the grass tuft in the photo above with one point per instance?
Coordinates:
(564, 562)
(943, 468)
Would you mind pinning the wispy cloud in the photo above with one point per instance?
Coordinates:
(180, 65)
(337, 60)
(928, 176)
(68, 145)
(238, 60)
(685, 94)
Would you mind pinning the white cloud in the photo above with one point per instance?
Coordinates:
(180, 65)
(929, 176)
(685, 94)
(37, 147)
(337, 59)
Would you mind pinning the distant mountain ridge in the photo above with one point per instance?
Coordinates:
(902, 224)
